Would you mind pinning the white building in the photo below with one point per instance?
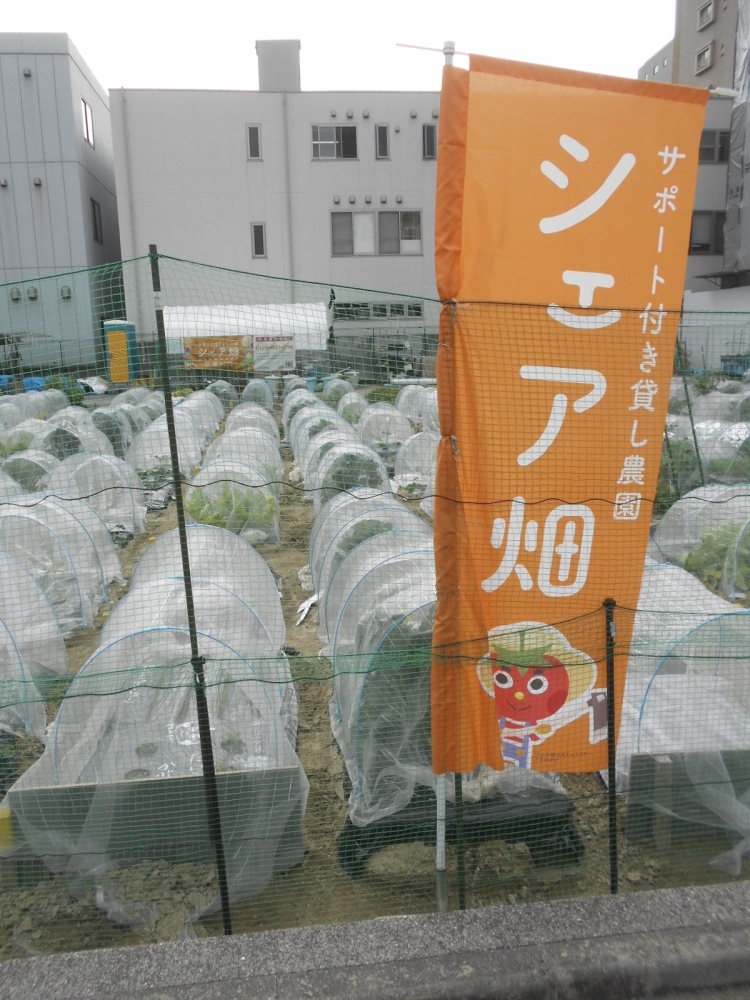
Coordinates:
(58, 209)
(332, 187)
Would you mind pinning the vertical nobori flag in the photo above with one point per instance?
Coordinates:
(564, 206)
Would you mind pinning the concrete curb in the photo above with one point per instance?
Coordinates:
(638, 944)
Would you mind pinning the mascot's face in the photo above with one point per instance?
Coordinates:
(529, 694)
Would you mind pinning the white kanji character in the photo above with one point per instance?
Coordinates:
(645, 390)
(592, 204)
(574, 376)
(670, 158)
(649, 358)
(665, 199)
(658, 280)
(655, 317)
(633, 434)
(587, 282)
(562, 554)
(627, 507)
(633, 470)
(660, 241)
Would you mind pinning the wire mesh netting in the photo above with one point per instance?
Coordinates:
(269, 668)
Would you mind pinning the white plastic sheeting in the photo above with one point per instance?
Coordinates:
(415, 461)
(108, 732)
(259, 391)
(314, 449)
(306, 321)
(31, 469)
(206, 411)
(225, 392)
(9, 487)
(224, 558)
(110, 485)
(253, 447)
(10, 414)
(252, 415)
(351, 407)
(707, 508)
(235, 496)
(334, 389)
(150, 456)
(114, 423)
(345, 467)
(384, 428)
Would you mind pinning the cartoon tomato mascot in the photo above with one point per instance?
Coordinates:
(539, 683)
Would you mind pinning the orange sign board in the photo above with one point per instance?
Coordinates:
(563, 218)
(228, 353)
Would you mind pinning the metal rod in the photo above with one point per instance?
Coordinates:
(440, 866)
(699, 459)
(611, 631)
(460, 851)
(196, 660)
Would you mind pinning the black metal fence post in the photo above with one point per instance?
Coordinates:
(460, 848)
(609, 617)
(196, 660)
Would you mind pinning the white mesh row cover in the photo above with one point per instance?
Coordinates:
(206, 410)
(380, 709)
(334, 389)
(221, 557)
(71, 417)
(40, 404)
(108, 484)
(415, 461)
(308, 423)
(292, 382)
(430, 414)
(59, 441)
(427, 506)
(9, 487)
(411, 401)
(132, 396)
(351, 406)
(31, 621)
(218, 612)
(21, 707)
(385, 430)
(236, 496)
(66, 547)
(253, 447)
(130, 716)
(114, 423)
(258, 391)
(253, 415)
(137, 418)
(225, 392)
(153, 405)
(150, 456)
(344, 569)
(723, 406)
(316, 448)
(10, 414)
(21, 436)
(346, 467)
(686, 686)
(708, 508)
(295, 401)
(335, 514)
(724, 447)
(31, 469)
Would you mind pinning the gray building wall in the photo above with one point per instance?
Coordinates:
(47, 228)
(690, 39)
(185, 181)
(659, 66)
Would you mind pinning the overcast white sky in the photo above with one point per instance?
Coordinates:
(346, 44)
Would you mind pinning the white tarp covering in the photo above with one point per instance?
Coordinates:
(306, 321)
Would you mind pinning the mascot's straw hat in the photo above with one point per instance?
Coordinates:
(524, 645)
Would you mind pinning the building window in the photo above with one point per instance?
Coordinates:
(351, 310)
(253, 142)
(706, 14)
(259, 239)
(656, 68)
(379, 310)
(334, 142)
(665, 61)
(704, 58)
(414, 310)
(714, 146)
(399, 232)
(382, 152)
(707, 232)
(352, 233)
(88, 122)
(96, 221)
(429, 142)
(398, 310)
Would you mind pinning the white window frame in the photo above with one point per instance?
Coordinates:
(708, 51)
(262, 227)
(706, 14)
(260, 147)
(387, 155)
(337, 142)
(88, 122)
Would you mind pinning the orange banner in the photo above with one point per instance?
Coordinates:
(564, 208)
(228, 353)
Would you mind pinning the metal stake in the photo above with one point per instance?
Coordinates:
(196, 660)
(460, 851)
(609, 616)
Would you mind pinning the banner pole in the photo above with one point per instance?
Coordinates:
(609, 615)
(442, 878)
(196, 660)
(460, 852)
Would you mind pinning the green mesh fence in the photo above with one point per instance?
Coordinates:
(308, 502)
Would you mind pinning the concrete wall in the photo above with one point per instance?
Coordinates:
(659, 66)
(710, 195)
(185, 182)
(689, 40)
